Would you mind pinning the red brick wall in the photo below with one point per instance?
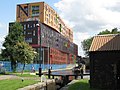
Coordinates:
(57, 57)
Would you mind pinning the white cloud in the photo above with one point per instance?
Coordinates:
(88, 17)
(1, 41)
(3, 33)
(78, 37)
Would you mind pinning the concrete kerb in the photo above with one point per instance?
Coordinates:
(48, 85)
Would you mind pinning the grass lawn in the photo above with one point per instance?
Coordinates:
(15, 84)
(80, 85)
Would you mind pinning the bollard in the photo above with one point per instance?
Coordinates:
(49, 72)
(81, 73)
(75, 76)
(40, 70)
(81, 76)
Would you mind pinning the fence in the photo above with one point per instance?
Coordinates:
(28, 67)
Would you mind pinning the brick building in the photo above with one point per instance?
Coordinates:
(52, 35)
(45, 14)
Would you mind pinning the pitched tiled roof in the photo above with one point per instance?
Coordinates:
(108, 42)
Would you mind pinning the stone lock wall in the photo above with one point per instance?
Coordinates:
(48, 85)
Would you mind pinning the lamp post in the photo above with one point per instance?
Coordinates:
(40, 54)
(49, 71)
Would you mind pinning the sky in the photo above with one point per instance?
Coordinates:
(86, 17)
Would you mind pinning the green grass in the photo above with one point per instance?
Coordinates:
(15, 84)
(80, 85)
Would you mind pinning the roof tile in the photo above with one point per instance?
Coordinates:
(105, 43)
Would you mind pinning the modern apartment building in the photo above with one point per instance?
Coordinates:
(45, 14)
(52, 36)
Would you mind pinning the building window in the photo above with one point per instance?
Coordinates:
(49, 16)
(35, 10)
(28, 26)
(24, 26)
(45, 13)
(24, 32)
(33, 25)
(60, 27)
(34, 33)
(29, 33)
(26, 8)
(29, 40)
(35, 13)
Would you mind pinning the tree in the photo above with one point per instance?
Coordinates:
(86, 45)
(115, 31)
(12, 43)
(87, 42)
(104, 32)
(0, 57)
(15, 35)
(25, 53)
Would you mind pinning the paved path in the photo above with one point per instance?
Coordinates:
(2, 77)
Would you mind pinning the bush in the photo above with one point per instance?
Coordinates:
(2, 70)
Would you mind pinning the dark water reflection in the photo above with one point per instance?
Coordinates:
(63, 72)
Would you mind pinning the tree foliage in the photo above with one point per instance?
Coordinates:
(15, 48)
(87, 42)
(0, 57)
(25, 53)
(15, 35)
(86, 45)
(104, 32)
